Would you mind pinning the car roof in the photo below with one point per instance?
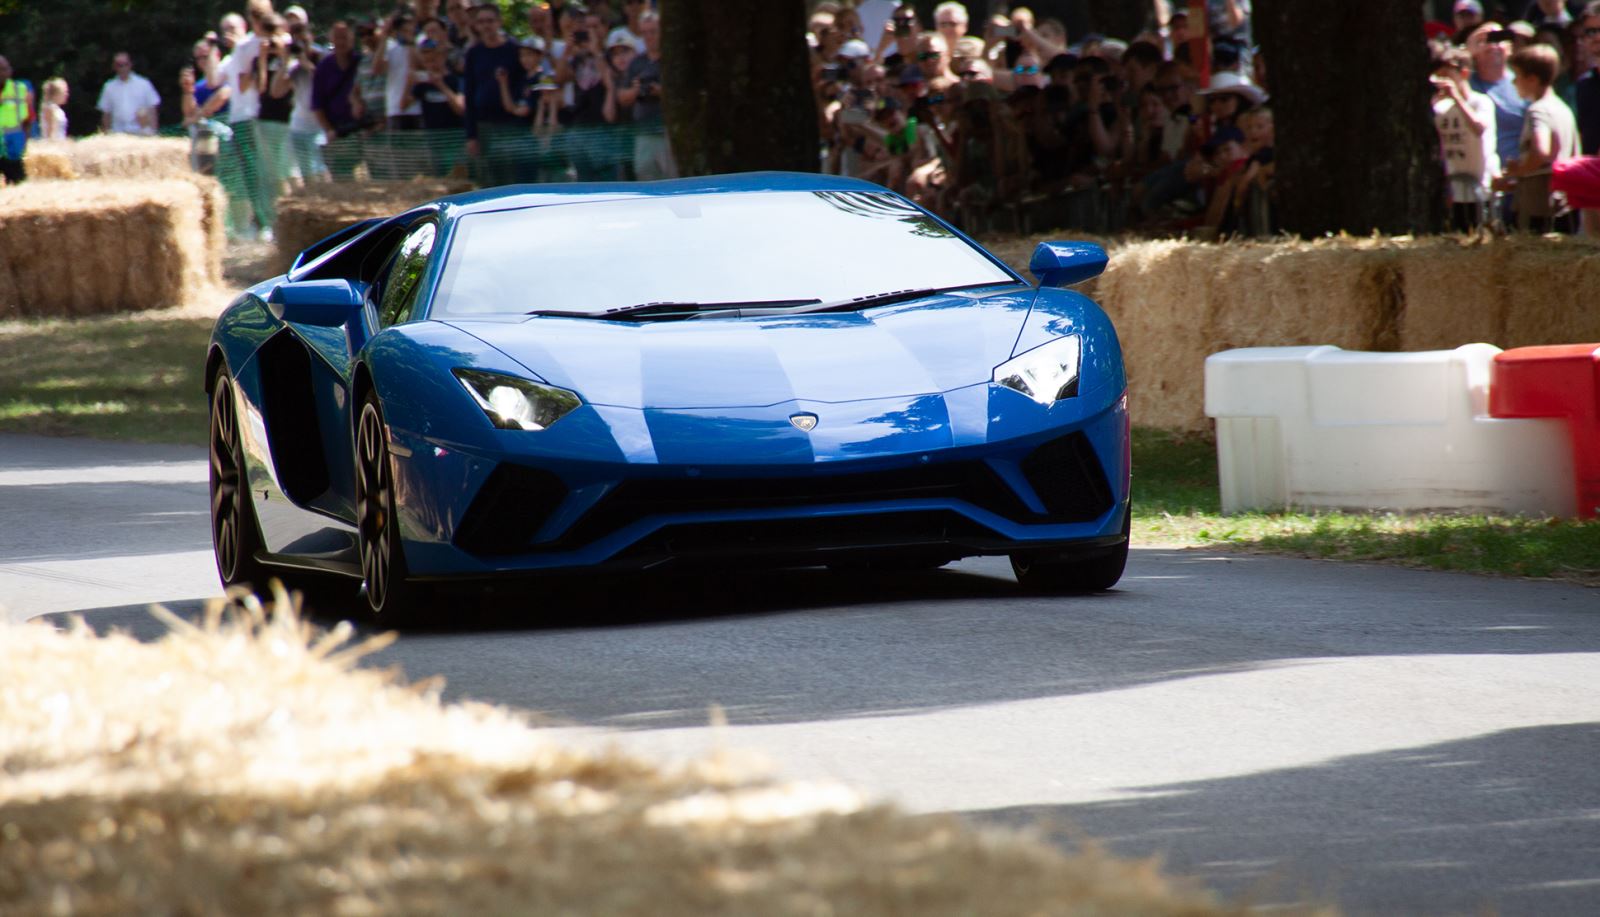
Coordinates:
(510, 197)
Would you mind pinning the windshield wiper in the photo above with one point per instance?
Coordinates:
(893, 296)
(662, 310)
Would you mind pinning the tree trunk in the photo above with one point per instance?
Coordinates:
(737, 86)
(1356, 146)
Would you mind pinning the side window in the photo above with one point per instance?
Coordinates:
(403, 280)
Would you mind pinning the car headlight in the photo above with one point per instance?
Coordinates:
(517, 404)
(1047, 373)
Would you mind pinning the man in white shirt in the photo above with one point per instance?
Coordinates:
(405, 112)
(128, 101)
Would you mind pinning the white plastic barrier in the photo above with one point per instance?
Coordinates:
(1328, 428)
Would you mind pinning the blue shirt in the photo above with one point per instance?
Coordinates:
(1509, 112)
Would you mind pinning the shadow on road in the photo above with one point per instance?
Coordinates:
(1492, 819)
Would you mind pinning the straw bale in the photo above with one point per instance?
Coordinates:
(119, 156)
(1553, 292)
(49, 161)
(95, 246)
(1455, 293)
(318, 210)
(245, 765)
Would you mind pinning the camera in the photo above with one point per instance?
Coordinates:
(902, 26)
(581, 36)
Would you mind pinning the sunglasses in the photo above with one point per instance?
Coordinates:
(1025, 71)
(928, 55)
(1591, 33)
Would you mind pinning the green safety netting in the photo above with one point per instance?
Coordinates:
(259, 161)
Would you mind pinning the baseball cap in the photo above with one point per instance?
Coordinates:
(855, 47)
(1469, 6)
(533, 43)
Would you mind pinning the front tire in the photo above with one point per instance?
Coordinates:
(391, 598)
(1067, 575)
(235, 537)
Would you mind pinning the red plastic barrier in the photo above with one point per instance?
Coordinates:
(1563, 382)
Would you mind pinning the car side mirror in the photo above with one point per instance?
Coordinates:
(1062, 264)
(325, 303)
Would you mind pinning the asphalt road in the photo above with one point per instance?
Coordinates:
(1395, 741)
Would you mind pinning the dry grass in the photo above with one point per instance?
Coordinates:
(319, 210)
(1177, 301)
(95, 246)
(246, 766)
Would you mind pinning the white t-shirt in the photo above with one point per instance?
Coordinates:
(124, 99)
(302, 119)
(874, 13)
(1463, 152)
(242, 105)
(394, 87)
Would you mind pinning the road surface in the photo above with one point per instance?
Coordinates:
(1392, 740)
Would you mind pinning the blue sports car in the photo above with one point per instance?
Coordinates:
(774, 369)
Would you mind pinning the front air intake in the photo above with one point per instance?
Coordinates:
(510, 507)
(1067, 476)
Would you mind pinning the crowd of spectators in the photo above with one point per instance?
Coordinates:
(986, 121)
(982, 121)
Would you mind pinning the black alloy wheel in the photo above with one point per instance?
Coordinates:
(390, 597)
(234, 536)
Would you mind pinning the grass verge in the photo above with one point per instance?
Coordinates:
(246, 765)
(130, 378)
(1176, 501)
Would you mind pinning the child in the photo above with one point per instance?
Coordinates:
(536, 96)
(1465, 119)
(52, 119)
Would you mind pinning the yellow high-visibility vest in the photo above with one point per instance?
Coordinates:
(13, 105)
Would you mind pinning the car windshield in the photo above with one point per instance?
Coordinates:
(797, 246)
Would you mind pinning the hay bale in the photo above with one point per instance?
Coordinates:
(245, 765)
(119, 156)
(48, 162)
(1455, 293)
(320, 209)
(92, 246)
(1552, 285)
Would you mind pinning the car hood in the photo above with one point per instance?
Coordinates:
(931, 345)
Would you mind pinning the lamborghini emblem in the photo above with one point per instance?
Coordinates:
(804, 422)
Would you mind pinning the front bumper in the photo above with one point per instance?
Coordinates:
(978, 471)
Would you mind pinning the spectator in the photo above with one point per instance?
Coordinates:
(652, 154)
(368, 97)
(619, 57)
(459, 12)
(1465, 120)
(898, 42)
(397, 67)
(1467, 17)
(438, 32)
(950, 20)
(486, 119)
(1552, 12)
(52, 117)
(277, 101)
(331, 87)
(589, 77)
(305, 132)
(933, 60)
(16, 117)
(239, 163)
(1489, 77)
(204, 96)
(871, 17)
(438, 93)
(128, 101)
(1587, 109)
(633, 12)
(1549, 136)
